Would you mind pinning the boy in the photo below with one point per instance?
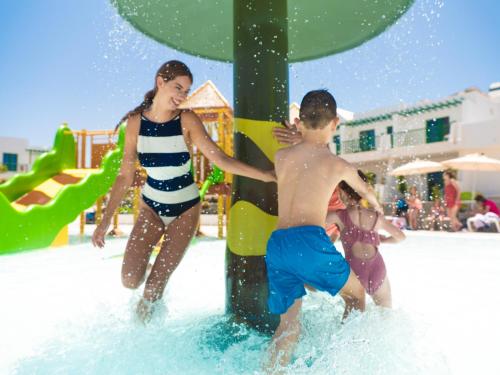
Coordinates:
(300, 252)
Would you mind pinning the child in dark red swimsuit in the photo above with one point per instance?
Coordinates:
(360, 239)
(452, 199)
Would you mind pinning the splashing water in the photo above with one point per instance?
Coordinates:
(65, 312)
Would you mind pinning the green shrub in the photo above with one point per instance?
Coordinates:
(436, 192)
(401, 184)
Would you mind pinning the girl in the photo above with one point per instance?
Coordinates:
(414, 208)
(452, 199)
(360, 239)
(160, 136)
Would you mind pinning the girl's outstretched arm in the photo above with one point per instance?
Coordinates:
(209, 148)
(123, 180)
(396, 234)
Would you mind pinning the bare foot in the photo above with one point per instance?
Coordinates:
(144, 310)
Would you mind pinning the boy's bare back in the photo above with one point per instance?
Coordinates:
(307, 175)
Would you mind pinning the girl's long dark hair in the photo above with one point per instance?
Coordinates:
(168, 71)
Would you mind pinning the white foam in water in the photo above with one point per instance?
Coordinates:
(64, 311)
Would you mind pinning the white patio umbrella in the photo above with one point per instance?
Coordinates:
(417, 167)
(474, 162)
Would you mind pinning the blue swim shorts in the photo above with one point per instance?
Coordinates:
(302, 255)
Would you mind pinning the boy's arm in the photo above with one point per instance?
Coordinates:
(350, 175)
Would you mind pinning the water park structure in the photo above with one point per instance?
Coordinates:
(260, 38)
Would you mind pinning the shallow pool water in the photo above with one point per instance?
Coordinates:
(64, 311)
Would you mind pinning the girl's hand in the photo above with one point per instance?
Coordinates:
(379, 209)
(289, 135)
(270, 176)
(99, 234)
(383, 238)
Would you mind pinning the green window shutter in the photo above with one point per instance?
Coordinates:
(437, 129)
(10, 161)
(367, 140)
(391, 133)
(336, 140)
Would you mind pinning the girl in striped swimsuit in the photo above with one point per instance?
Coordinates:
(160, 136)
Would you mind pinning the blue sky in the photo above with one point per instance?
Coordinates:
(79, 62)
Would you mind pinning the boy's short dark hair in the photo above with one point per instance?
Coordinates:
(317, 109)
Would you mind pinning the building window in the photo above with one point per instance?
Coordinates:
(437, 129)
(336, 140)
(390, 133)
(367, 140)
(10, 161)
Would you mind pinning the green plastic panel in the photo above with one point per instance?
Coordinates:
(316, 28)
(38, 225)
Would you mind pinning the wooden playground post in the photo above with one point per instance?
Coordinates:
(228, 148)
(220, 199)
(82, 223)
(98, 212)
(83, 150)
(115, 221)
(220, 216)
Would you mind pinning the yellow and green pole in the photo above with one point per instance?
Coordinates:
(260, 74)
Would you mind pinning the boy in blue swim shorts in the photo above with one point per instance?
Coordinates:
(300, 252)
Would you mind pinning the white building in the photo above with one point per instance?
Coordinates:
(16, 156)
(344, 114)
(463, 123)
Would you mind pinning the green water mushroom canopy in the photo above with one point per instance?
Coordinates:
(316, 28)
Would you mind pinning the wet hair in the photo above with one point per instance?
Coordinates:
(480, 198)
(350, 191)
(317, 109)
(450, 174)
(168, 71)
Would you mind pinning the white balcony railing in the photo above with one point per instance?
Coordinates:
(413, 137)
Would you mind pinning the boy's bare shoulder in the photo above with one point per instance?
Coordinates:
(337, 162)
(282, 153)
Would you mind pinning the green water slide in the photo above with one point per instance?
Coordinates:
(70, 191)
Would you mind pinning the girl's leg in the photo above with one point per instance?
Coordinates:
(413, 219)
(178, 235)
(353, 294)
(452, 213)
(145, 234)
(383, 297)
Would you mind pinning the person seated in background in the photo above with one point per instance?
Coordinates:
(414, 208)
(399, 212)
(487, 215)
(437, 217)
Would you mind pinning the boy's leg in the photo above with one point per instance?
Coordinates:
(353, 294)
(285, 338)
(383, 297)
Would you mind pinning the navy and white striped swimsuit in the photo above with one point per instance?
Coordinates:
(170, 189)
